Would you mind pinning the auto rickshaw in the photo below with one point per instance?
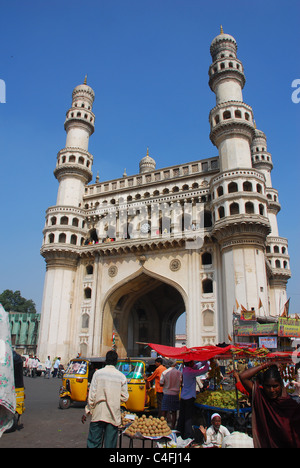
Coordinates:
(19, 389)
(76, 380)
(142, 396)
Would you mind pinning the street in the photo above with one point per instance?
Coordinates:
(44, 424)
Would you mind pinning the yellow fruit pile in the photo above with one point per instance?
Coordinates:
(127, 417)
(219, 399)
(149, 427)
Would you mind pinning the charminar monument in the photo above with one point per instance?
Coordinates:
(126, 257)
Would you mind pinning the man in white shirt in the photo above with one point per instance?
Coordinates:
(47, 368)
(215, 434)
(108, 388)
(34, 365)
(171, 380)
(56, 367)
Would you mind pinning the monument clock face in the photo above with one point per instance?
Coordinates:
(145, 228)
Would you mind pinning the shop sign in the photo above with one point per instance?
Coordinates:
(268, 342)
(255, 329)
(288, 327)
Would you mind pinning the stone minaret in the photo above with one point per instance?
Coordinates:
(278, 260)
(239, 200)
(65, 227)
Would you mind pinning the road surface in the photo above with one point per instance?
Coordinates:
(45, 425)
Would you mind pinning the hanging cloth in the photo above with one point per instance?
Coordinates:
(7, 381)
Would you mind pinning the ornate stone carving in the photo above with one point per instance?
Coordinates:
(175, 264)
(112, 271)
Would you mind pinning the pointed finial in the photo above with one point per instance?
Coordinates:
(254, 123)
(97, 177)
(85, 79)
(125, 173)
(221, 30)
(147, 151)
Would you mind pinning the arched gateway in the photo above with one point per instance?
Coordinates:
(141, 309)
(126, 257)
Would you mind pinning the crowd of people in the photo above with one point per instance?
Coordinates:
(32, 366)
(275, 414)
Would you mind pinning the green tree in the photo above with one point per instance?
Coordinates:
(12, 301)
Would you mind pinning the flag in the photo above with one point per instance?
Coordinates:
(237, 304)
(113, 338)
(247, 314)
(260, 304)
(286, 307)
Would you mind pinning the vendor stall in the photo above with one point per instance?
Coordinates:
(224, 387)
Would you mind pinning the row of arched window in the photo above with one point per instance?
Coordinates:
(228, 114)
(155, 193)
(64, 221)
(62, 238)
(129, 230)
(280, 264)
(276, 249)
(233, 187)
(82, 105)
(234, 209)
(261, 158)
(224, 65)
(78, 114)
(73, 159)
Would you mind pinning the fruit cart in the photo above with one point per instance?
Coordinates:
(143, 428)
(230, 411)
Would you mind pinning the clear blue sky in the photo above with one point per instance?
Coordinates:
(147, 62)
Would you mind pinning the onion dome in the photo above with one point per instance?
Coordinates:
(223, 42)
(147, 164)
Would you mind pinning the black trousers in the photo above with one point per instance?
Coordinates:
(186, 412)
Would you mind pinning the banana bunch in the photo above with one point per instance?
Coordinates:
(219, 399)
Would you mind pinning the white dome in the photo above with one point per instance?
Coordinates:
(147, 164)
(221, 38)
(221, 42)
(84, 90)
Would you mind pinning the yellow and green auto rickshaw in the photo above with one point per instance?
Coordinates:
(142, 396)
(19, 389)
(76, 380)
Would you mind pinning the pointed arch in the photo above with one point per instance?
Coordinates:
(142, 307)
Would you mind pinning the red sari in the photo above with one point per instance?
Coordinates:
(275, 423)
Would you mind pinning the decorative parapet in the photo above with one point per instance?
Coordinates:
(157, 177)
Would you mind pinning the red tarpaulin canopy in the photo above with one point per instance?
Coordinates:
(203, 353)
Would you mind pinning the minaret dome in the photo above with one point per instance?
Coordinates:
(223, 43)
(147, 164)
